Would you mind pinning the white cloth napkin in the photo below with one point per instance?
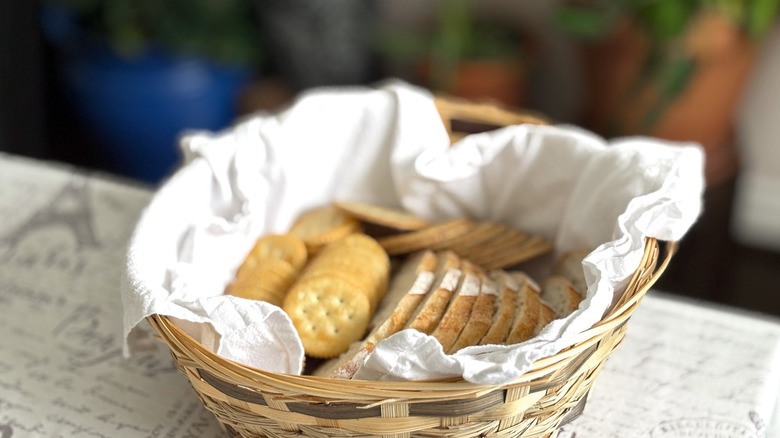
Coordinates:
(388, 145)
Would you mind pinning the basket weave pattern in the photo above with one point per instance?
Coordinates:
(253, 403)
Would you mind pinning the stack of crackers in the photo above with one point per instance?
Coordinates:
(351, 274)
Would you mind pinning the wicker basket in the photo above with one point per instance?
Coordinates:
(253, 403)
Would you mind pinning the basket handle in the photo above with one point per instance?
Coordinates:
(462, 117)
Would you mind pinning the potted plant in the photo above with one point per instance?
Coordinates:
(673, 69)
(461, 55)
(138, 72)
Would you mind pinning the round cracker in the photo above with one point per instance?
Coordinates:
(328, 314)
(258, 293)
(287, 247)
(357, 259)
(383, 216)
(323, 225)
(269, 280)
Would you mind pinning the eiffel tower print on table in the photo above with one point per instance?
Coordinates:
(70, 209)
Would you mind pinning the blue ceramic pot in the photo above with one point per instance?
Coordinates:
(138, 107)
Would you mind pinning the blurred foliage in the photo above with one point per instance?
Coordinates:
(670, 63)
(457, 34)
(592, 20)
(222, 30)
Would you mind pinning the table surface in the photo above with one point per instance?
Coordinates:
(684, 369)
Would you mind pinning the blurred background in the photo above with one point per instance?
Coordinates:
(109, 85)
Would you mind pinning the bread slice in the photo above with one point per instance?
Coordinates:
(561, 294)
(481, 317)
(428, 314)
(429, 277)
(459, 310)
(505, 305)
(527, 311)
(411, 282)
(415, 295)
(409, 285)
(569, 265)
(546, 316)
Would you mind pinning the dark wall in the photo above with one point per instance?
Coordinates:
(22, 80)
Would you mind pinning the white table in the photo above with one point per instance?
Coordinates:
(685, 369)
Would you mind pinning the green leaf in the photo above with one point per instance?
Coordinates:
(404, 45)
(761, 15)
(674, 80)
(667, 19)
(676, 77)
(584, 23)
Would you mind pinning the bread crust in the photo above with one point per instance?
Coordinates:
(481, 317)
(527, 312)
(505, 307)
(569, 265)
(430, 311)
(561, 294)
(459, 310)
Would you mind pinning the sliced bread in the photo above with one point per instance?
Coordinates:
(430, 311)
(561, 294)
(527, 311)
(505, 306)
(569, 265)
(414, 297)
(546, 316)
(459, 309)
(481, 317)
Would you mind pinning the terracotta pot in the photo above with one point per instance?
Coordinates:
(502, 81)
(703, 110)
(498, 80)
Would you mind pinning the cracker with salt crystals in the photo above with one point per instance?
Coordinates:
(356, 259)
(491, 245)
(268, 281)
(425, 238)
(329, 314)
(269, 269)
(513, 252)
(285, 247)
(382, 216)
(323, 225)
(479, 234)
